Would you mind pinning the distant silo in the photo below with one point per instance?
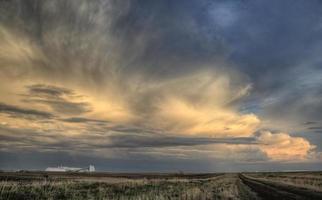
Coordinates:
(91, 168)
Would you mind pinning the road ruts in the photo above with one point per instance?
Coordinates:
(268, 190)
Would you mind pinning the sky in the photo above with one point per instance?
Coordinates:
(161, 85)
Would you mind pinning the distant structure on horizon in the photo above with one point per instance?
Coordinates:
(90, 168)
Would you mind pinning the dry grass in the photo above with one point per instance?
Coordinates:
(217, 187)
(300, 179)
(84, 186)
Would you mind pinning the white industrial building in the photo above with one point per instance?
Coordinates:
(90, 168)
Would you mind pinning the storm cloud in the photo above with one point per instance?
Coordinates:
(15, 111)
(158, 81)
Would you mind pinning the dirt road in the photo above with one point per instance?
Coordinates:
(268, 190)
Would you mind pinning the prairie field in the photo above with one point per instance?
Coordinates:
(41, 185)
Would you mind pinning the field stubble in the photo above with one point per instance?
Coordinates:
(131, 186)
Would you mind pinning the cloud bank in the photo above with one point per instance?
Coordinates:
(159, 81)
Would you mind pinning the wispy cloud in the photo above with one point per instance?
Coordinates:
(161, 80)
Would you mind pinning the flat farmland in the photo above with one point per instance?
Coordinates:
(43, 185)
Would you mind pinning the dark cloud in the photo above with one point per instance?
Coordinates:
(267, 41)
(277, 45)
(134, 129)
(125, 149)
(30, 139)
(177, 37)
(48, 91)
(66, 107)
(139, 141)
(51, 141)
(15, 111)
(161, 38)
(83, 120)
(310, 123)
(288, 103)
(61, 100)
(315, 128)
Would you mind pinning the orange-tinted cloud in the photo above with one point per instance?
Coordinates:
(80, 75)
(282, 146)
(186, 118)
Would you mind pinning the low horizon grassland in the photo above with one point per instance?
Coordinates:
(217, 187)
(101, 186)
